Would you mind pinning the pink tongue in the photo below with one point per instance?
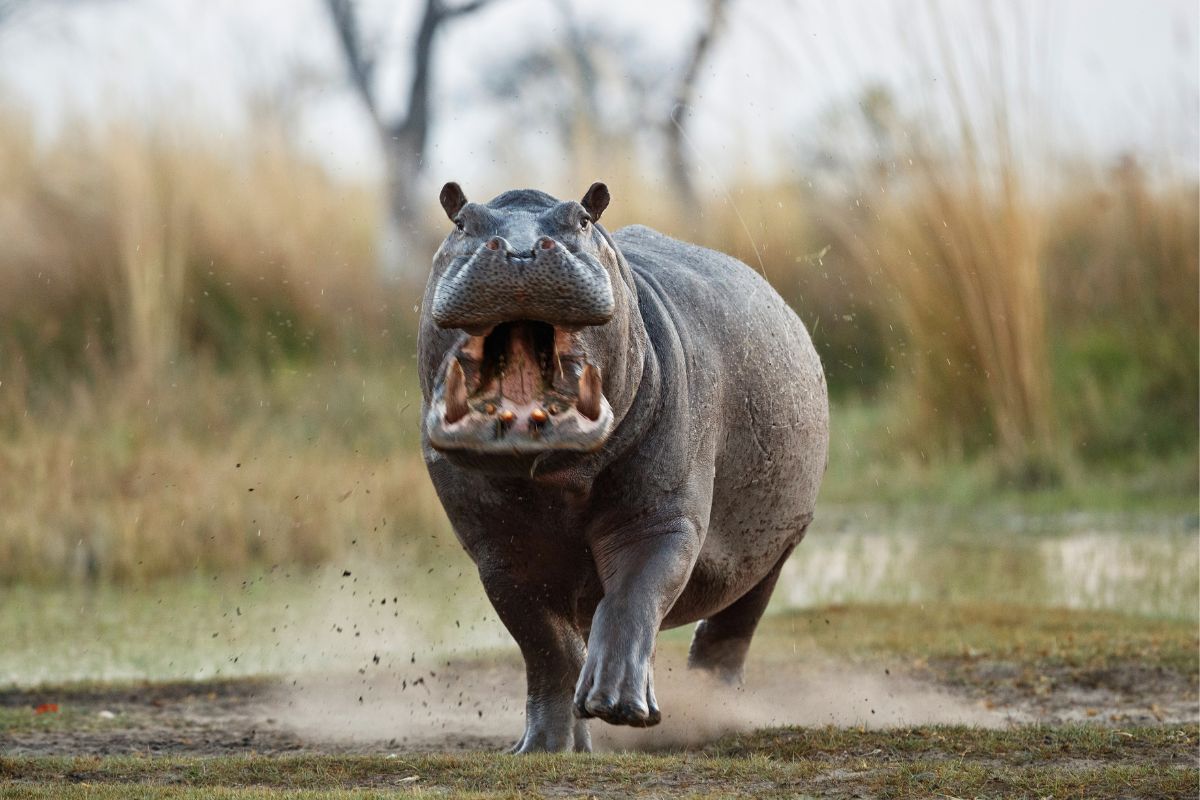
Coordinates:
(521, 381)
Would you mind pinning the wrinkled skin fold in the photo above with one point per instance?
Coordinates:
(627, 433)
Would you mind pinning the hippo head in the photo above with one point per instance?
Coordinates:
(527, 284)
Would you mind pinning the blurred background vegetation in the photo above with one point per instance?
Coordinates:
(207, 340)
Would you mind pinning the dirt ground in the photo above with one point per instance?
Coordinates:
(851, 701)
(476, 706)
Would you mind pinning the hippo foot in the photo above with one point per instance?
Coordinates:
(723, 659)
(542, 739)
(620, 692)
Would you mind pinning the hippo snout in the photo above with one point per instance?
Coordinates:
(542, 279)
(515, 253)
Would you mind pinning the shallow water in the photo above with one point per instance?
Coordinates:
(426, 610)
(1145, 566)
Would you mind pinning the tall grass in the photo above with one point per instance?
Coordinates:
(199, 368)
(210, 471)
(949, 212)
(1124, 284)
(129, 249)
(1055, 327)
(151, 230)
(963, 270)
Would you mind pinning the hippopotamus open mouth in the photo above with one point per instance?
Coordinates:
(523, 387)
(519, 380)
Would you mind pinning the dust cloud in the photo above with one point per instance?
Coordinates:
(697, 709)
(454, 708)
(377, 666)
(474, 704)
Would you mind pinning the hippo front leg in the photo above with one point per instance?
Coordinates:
(553, 651)
(643, 574)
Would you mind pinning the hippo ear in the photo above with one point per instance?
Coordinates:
(596, 200)
(453, 199)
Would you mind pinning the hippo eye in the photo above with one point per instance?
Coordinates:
(458, 223)
(583, 223)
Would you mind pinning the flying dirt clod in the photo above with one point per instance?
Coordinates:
(627, 432)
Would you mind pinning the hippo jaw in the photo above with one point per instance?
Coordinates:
(519, 387)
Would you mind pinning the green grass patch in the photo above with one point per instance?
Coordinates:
(124, 792)
(1061, 637)
(957, 761)
(1018, 745)
(873, 460)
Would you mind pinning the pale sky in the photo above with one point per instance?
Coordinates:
(1116, 74)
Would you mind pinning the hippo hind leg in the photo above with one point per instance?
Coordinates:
(721, 642)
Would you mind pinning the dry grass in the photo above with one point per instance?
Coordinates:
(949, 212)
(1123, 283)
(129, 248)
(171, 306)
(208, 472)
(1041, 323)
(163, 303)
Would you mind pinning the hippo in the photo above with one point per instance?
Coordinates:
(627, 432)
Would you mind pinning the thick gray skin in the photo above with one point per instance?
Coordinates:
(687, 512)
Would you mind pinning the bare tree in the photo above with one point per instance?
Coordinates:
(584, 66)
(404, 140)
(675, 130)
(597, 89)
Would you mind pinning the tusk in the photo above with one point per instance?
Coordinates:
(473, 347)
(589, 392)
(456, 393)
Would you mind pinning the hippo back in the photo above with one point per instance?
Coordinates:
(752, 373)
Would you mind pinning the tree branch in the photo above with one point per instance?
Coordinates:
(360, 63)
(585, 67)
(685, 95)
(414, 128)
(461, 10)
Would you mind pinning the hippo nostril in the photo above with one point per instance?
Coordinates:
(547, 244)
(493, 244)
